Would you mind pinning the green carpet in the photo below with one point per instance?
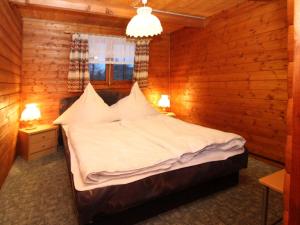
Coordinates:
(39, 193)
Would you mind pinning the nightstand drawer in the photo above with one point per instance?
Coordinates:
(41, 137)
(37, 155)
(40, 146)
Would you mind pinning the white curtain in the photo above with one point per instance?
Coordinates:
(111, 50)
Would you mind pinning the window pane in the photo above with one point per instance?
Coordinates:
(97, 71)
(129, 72)
(123, 72)
(118, 72)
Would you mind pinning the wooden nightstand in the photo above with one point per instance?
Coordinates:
(37, 142)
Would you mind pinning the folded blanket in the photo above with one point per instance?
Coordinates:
(181, 138)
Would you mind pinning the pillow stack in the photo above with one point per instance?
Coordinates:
(90, 108)
(134, 106)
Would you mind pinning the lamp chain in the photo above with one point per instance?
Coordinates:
(144, 2)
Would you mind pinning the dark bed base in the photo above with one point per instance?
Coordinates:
(165, 203)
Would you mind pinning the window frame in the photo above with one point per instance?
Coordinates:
(109, 77)
(106, 81)
(112, 80)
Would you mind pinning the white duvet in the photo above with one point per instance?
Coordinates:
(146, 146)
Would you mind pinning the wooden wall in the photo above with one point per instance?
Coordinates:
(292, 178)
(294, 215)
(288, 150)
(46, 48)
(232, 75)
(159, 68)
(10, 70)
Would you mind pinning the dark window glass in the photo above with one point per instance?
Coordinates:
(123, 71)
(97, 71)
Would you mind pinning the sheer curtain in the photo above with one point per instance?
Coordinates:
(111, 50)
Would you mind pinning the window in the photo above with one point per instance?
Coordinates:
(97, 71)
(111, 59)
(123, 72)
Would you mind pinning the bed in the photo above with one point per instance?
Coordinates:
(128, 203)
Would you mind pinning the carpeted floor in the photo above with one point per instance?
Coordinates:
(38, 193)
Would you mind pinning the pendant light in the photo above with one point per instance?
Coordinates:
(144, 24)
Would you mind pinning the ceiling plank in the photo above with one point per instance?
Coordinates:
(100, 8)
(35, 12)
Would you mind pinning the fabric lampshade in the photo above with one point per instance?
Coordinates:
(31, 112)
(164, 101)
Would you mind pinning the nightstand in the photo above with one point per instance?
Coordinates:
(37, 142)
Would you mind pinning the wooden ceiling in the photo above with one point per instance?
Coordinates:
(118, 12)
(201, 8)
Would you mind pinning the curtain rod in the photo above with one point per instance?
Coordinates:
(96, 34)
(111, 35)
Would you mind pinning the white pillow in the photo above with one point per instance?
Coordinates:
(89, 108)
(134, 106)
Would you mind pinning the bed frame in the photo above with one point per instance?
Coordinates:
(139, 200)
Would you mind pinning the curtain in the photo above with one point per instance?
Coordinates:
(78, 76)
(111, 50)
(141, 62)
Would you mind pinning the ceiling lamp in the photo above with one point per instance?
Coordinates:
(144, 24)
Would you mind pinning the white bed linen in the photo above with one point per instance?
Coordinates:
(142, 148)
(203, 157)
(183, 139)
(154, 143)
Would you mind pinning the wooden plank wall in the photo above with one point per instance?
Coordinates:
(159, 68)
(46, 48)
(288, 149)
(232, 75)
(10, 70)
(295, 172)
(292, 178)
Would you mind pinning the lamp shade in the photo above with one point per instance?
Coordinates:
(144, 24)
(31, 112)
(164, 101)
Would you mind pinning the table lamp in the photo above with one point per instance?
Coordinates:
(30, 114)
(164, 102)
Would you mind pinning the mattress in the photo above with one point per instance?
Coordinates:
(209, 155)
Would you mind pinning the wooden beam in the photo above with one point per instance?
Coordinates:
(35, 12)
(90, 6)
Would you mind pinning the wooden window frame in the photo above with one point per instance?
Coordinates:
(109, 81)
(102, 82)
(112, 81)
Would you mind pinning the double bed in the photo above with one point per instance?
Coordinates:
(131, 194)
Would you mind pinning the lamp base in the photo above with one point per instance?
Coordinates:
(30, 128)
(30, 125)
(164, 109)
